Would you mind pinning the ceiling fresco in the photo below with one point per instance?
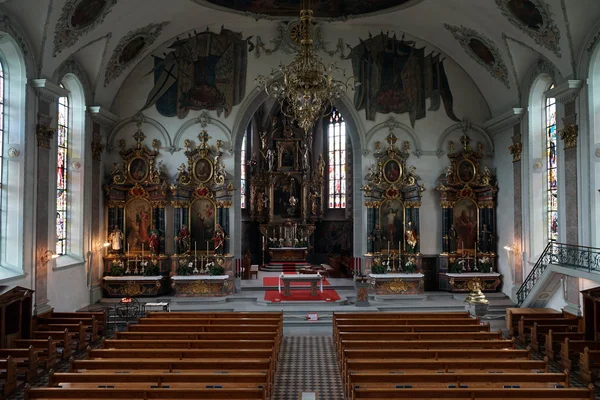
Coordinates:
(482, 50)
(321, 8)
(78, 17)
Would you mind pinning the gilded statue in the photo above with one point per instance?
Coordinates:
(321, 166)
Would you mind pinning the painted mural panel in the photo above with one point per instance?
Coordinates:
(203, 216)
(138, 224)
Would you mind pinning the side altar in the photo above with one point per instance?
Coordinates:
(468, 200)
(288, 254)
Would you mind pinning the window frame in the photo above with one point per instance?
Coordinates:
(64, 125)
(336, 162)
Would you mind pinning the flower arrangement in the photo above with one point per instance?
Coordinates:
(455, 266)
(116, 268)
(273, 243)
(410, 267)
(185, 267)
(485, 265)
(379, 268)
(215, 269)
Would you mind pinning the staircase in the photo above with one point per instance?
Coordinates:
(284, 266)
(557, 260)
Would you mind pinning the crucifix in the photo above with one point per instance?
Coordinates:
(204, 137)
(139, 137)
(391, 139)
(465, 140)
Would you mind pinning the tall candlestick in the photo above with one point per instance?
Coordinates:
(142, 251)
(207, 250)
(127, 249)
(388, 249)
(462, 246)
(195, 248)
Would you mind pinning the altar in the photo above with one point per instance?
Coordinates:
(288, 254)
(386, 284)
(288, 279)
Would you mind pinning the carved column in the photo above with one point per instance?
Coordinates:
(516, 149)
(566, 96)
(48, 95)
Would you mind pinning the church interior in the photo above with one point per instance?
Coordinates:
(324, 199)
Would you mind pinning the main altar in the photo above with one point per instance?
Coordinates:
(468, 200)
(286, 192)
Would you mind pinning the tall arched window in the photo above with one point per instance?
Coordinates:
(243, 164)
(337, 160)
(61, 175)
(551, 169)
(2, 118)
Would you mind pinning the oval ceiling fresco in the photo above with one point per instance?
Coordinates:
(87, 12)
(321, 8)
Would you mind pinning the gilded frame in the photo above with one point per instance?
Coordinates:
(135, 167)
(198, 229)
(203, 169)
(461, 171)
(292, 147)
(385, 173)
(138, 219)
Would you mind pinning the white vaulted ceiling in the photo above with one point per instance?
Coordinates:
(422, 19)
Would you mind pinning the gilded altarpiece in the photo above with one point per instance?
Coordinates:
(468, 200)
(202, 197)
(136, 196)
(393, 199)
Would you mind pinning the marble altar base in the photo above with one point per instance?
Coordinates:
(201, 285)
(463, 282)
(135, 286)
(396, 284)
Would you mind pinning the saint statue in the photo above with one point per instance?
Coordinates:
(304, 152)
(116, 240)
(154, 242)
(321, 166)
(219, 240)
(183, 240)
(411, 238)
(270, 159)
(376, 236)
(452, 239)
(486, 243)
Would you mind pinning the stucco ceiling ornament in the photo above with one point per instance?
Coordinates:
(7, 26)
(288, 41)
(482, 50)
(534, 17)
(77, 19)
(130, 48)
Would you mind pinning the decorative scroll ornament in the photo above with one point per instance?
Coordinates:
(97, 150)
(482, 50)
(44, 135)
(516, 149)
(14, 152)
(77, 19)
(130, 48)
(569, 135)
(534, 17)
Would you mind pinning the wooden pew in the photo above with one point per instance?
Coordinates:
(90, 325)
(100, 316)
(432, 354)
(179, 393)
(538, 333)
(46, 350)
(178, 327)
(571, 349)
(525, 325)
(589, 364)
(148, 379)
(62, 339)
(237, 335)
(26, 359)
(553, 341)
(8, 375)
(456, 380)
(77, 332)
(188, 344)
(407, 321)
(410, 329)
(513, 315)
(210, 314)
(212, 321)
(475, 393)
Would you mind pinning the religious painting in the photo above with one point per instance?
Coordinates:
(287, 155)
(465, 171)
(203, 170)
(215, 79)
(391, 222)
(321, 8)
(203, 218)
(287, 198)
(138, 169)
(396, 77)
(138, 224)
(86, 12)
(465, 215)
(392, 171)
(526, 12)
(482, 51)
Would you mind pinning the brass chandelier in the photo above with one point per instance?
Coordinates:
(308, 89)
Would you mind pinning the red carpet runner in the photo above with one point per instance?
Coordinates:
(301, 295)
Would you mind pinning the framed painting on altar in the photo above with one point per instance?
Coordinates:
(203, 170)
(391, 223)
(466, 171)
(392, 171)
(138, 224)
(287, 155)
(138, 169)
(203, 219)
(465, 215)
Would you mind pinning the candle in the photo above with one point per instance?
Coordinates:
(142, 251)
(127, 249)
(462, 248)
(195, 248)
(207, 242)
(388, 247)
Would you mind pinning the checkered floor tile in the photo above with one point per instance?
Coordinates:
(308, 364)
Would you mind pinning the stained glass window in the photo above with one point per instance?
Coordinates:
(1, 119)
(337, 160)
(552, 183)
(61, 175)
(243, 183)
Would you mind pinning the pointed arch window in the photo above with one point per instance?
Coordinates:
(243, 175)
(337, 160)
(61, 175)
(551, 169)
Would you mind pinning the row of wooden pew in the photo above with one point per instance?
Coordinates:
(196, 355)
(51, 332)
(559, 335)
(442, 355)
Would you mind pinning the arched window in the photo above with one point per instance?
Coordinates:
(2, 118)
(551, 169)
(243, 164)
(336, 145)
(62, 182)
